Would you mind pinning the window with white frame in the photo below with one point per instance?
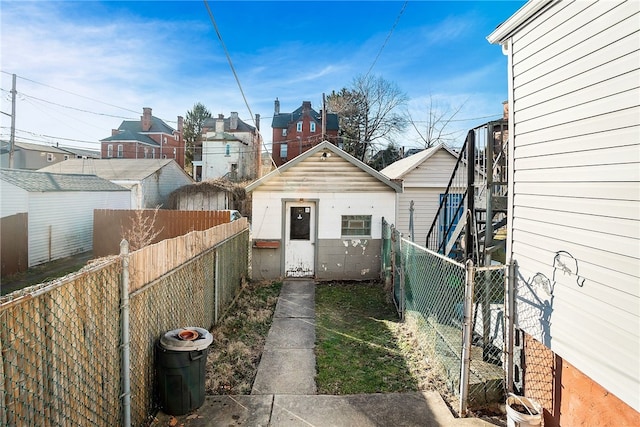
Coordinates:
(313, 127)
(120, 151)
(283, 151)
(356, 225)
(299, 127)
(50, 157)
(109, 150)
(284, 132)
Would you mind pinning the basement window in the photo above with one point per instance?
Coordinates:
(356, 225)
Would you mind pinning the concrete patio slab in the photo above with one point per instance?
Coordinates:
(295, 305)
(289, 333)
(286, 371)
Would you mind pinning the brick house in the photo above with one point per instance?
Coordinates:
(298, 131)
(147, 138)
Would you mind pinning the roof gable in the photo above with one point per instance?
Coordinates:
(400, 168)
(37, 181)
(325, 168)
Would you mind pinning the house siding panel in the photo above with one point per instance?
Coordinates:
(576, 166)
(61, 223)
(14, 200)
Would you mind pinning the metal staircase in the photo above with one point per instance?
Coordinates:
(472, 210)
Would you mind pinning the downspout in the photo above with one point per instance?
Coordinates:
(125, 342)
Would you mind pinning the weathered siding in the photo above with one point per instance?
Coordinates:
(576, 205)
(13, 199)
(157, 187)
(61, 223)
(325, 174)
(423, 185)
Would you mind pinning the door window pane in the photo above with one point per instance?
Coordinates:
(300, 223)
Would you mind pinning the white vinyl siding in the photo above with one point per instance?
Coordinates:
(14, 199)
(61, 223)
(576, 180)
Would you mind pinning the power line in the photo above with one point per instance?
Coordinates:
(404, 6)
(72, 93)
(233, 70)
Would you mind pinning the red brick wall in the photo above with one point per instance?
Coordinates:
(568, 396)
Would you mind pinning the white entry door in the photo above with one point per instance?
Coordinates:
(300, 236)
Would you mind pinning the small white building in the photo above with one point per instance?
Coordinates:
(320, 215)
(151, 181)
(59, 209)
(574, 204)
(424, 176)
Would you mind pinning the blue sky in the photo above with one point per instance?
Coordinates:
(82, 67)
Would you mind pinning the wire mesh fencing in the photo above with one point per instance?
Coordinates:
(457, 313)
(60, 353)
(61, 342)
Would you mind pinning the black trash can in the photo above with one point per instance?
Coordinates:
(181, 365)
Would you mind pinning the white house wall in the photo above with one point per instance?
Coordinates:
(575, 229)
(157, 187)
(61, 223)
(14, 200)
(423, 185)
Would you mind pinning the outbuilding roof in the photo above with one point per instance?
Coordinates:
(37, 181)
(328, 148)
(398, 169)
(112, 169)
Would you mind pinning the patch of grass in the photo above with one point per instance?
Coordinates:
(357, 349)
(238, 340)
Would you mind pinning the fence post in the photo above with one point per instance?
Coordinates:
(466, 337)
(509, 305)
(125, 342)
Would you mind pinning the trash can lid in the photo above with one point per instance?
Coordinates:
(189, 338)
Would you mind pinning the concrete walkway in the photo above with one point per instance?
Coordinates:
(284, 390)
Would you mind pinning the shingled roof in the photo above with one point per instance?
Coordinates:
(36, 181)
(282, 120)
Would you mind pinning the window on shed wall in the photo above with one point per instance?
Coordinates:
(356, 225)
(110, 150)
(299, 127)
(120, 151)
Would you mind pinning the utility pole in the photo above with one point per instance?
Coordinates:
(12, 138)
(324, 117)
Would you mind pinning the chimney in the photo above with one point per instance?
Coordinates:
(505, 110)
(114, 132)
(306, 107)
(145, 119)
(220, 124)
(233, 121)
(180, 124)
(276, 106)
(257, 121)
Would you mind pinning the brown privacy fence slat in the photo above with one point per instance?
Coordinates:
(109, 225)
(14, 244)
(60, 354)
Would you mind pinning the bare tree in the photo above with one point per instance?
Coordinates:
(368, 111)
(142, 229)
(435, 129)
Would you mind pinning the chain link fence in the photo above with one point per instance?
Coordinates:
(457, 313)
(61, 357)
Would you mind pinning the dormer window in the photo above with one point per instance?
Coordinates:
(299, 127)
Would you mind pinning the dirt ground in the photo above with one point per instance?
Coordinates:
(44, 272)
